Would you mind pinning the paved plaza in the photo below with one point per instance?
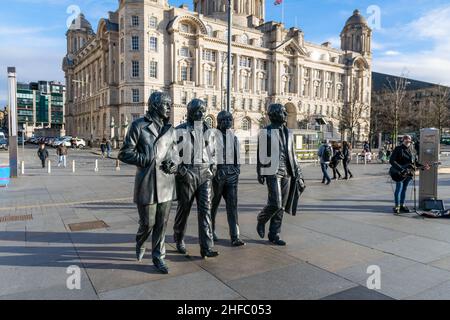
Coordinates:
(341, 230)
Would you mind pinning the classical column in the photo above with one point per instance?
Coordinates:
(254, 87)
(300, 80)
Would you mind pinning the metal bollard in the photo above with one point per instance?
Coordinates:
(73, 166)
(49, 166)
(96, 166)
(117, 165)
(357, 158)
(22, 167)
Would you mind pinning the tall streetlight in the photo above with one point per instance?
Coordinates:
(229, 55)
(12, 102)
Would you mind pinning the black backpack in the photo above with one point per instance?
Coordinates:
(326, 155)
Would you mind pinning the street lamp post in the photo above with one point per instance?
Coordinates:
(229, 56)
(12, 102)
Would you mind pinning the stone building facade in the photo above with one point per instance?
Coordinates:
(148, 45)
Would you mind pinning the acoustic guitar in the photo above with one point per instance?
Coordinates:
(399, 175)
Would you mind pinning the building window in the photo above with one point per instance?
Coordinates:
(214, 101)
(135, 116)
(135, 43)
(184, 52)
(135, 21)
(209, 78)
(246, 124)
(153, 69)
(184, 98)
(245, 62)
(122, 45)
(135, 93)
(135, 69)
(184, 73)
(209, 30)
(184, 27)
(153, 22)
(209, 55)
(153, 44)
(209, 121)
(122, 71)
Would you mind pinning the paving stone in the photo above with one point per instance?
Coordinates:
(243, 262)
(336, 255)
(416, 248)
(193, 286)
(439, 292)
(295, 282)
(357, 293)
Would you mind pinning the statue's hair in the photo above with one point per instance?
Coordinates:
(156, 98)
(224, 114)
(274, 109)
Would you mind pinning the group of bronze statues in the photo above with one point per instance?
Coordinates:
(191, 162)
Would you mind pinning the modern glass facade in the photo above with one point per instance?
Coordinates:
(40, 104)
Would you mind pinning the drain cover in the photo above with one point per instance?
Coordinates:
(89, 225)
(16, 218)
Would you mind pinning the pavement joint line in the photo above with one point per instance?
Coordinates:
(61, 204)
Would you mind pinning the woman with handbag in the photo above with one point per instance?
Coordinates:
(335, 161)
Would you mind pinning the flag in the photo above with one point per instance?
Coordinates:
(278, 2)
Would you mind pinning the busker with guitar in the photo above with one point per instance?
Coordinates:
(404, 163)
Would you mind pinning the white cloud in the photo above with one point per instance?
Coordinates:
(392, 53)
(431, 63)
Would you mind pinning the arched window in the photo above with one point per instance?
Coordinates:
(246, 124)
(209, 121)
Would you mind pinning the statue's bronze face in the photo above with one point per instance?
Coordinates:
(224, 120)
(196, 110)
(164, 107)
(160, 103)
(277, 114)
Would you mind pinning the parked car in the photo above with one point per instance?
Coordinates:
(3, 144)
(79, 143)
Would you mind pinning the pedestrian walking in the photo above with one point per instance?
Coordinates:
(325, 153)
(61, 151)
(42, 154)
(336, 161)
(347, 157)
(103, 147)
(108, 148)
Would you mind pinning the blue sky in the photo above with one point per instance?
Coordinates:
(413, 38)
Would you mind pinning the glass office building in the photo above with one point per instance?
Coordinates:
(40, 104)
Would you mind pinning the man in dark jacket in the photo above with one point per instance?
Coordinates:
(194, 179)
(42, 154)
(225, 183)
(150, 145)
(276, 171)
(403, 159)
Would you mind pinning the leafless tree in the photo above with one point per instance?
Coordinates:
(440, 107)
(351, 115)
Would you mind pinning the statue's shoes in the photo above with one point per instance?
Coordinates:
(140, 251)
(260, 228)
(161, 266)
(209, 254)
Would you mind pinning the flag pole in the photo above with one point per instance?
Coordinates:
(229, 56)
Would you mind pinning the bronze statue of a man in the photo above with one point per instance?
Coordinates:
(194, 179)
(282, 174)
(149, 145)
(225, 183)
